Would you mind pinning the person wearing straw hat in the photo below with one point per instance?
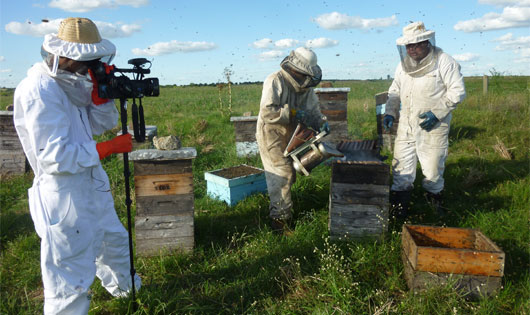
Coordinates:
(287, 98)
(428, 86)
(56, 112)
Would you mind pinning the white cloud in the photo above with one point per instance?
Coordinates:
(506, 3)
(321, 42)
(508, 42)
(271, 54)
(512, 16)
(165, 48)
(2, 58)
(32, 29)
(89, 5)
(286, 43)
(262, 43)
(5, 70)
(520, 46)
(107, 30)
(340, 21)
(466, 57)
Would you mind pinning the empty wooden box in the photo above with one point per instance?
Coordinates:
(359, 199)
(334, 105)
(164, 200)
(432, 255)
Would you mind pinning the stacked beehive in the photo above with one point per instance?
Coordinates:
(12, 158)
(334, 105)
(164, 200)
(359, 193)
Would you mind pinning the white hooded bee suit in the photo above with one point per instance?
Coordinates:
(437, 87)
(280, 96)
(70, 201)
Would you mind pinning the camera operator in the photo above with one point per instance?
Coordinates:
(57, 110)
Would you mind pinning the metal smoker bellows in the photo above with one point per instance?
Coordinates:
(307, 150)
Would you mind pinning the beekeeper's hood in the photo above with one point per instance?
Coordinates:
(302, 61)
(412, 34)
(77, 39)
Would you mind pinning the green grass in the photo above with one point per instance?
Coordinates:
(239, 266)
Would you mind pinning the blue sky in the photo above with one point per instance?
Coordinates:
(194, 41)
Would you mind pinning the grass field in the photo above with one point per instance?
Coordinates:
(240, 267)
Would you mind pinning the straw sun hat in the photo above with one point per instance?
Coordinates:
(414, 33)
(78, 39)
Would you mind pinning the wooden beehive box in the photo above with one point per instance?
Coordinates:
(164, 200)
(359, 200)
(245, 132)
(386, 138)
(12, 157)
(433, 255)
(334, 105)
(235, 183)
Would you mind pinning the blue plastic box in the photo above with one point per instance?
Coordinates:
(234, 189)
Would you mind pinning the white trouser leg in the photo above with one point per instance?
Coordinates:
(404, 164)
(113, 261)
(432, 161)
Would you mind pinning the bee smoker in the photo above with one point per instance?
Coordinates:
(307, 149)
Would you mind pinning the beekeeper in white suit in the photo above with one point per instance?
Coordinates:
(287, 99)
(57, 110)
(429, 85)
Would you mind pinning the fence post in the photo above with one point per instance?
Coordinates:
(485, 85)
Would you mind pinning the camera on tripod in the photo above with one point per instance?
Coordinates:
(112, 86)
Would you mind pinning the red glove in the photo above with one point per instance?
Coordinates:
(120, 144)
(95, 97)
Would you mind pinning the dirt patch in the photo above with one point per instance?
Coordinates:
(237, 171)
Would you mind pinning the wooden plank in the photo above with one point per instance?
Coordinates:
(353, 173)
(183, 166)
(461, 261)
(366, 194)
(245, 131)
(442, 237)
(409, 247)
(163, 184)
(334, 96)
(483, 243)
(150, 247)
(165, 205)
(183, 230)
(162, 222)
(381, 98)
(334, 115)
(359, 215)
(472, 286)
(333, 105)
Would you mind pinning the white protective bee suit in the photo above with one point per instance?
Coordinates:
(435, 84)
(282, 96)
(70, 201)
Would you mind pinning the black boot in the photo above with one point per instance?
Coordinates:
(435, 200)
(399, 203)
(281, 227)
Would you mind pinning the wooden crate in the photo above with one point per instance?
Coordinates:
(334, 105)
(434, 255)
(235, 183)
(386, 138)
(245, 132)
(164, 200)
(359, 200)
(12, 157)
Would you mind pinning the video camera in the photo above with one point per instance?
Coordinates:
(112, 86)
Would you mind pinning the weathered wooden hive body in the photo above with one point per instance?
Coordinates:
(359, 192)
(164, 200)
